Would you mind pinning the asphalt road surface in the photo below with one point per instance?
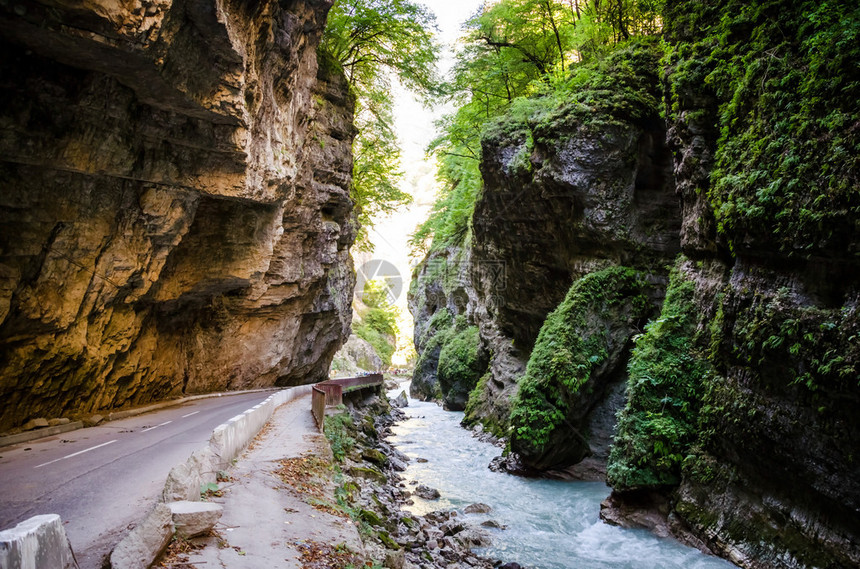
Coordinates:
(103, 479)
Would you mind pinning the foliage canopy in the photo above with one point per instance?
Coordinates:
(515, 49)
(375, 41)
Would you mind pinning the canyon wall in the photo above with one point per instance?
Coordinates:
(566, 193)
(767, 472)
(174, 202)
(691, 264)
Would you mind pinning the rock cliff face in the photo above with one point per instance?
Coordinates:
(442, 302)
(174, 206)
(561, 199)
(771, 477)
(740, 414)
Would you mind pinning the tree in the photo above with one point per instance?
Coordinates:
(374, 40)
(513, 50)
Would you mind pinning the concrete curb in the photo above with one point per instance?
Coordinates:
(230, 438)
(116, 415)
(39, 433)
(185, 481)
(37, 543)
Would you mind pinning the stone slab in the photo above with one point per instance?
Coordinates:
(145, 542)
(194, 518)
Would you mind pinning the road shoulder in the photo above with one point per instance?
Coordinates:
(268, 519)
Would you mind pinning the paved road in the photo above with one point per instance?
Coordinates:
(102, 479)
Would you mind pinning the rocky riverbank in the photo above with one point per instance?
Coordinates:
(371, 490)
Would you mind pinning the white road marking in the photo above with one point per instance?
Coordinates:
(155, 427)
(188, 415)
(75, 454)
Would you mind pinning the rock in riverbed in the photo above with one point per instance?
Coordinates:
(477, 508)
(427, 493)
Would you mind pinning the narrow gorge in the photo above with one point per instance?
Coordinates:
(642, 266)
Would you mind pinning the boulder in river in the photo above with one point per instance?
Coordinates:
(477, 508)
(427, 493)
(401, 401)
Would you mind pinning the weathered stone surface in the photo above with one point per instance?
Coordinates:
(395, 559)
(401, 400)
(648, 510)
(185, 481)
(37, 543)
(93, 420)
(145, 542)
(57, 422)
(427, 493)
(194, 518)
(34, 424)
(173, 201)
(356, 356)
(477, 508)
(473, 537)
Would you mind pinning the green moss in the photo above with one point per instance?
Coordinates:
(572, 342)
(380, 342)
(657, 426)
(460, 365)
(787, 163)
(456, 347)
(475, 399)
(803, 345)
(616, 89)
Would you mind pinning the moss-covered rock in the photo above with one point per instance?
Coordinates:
(665, 390)
(368, 473)
(375, 456)
(579, 353)
(461, 363)
(784, 81)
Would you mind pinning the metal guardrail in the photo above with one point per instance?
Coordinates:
(330, 392)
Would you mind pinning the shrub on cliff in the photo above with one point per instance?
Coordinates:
(461, 364)
(664, 395)
(579, 346)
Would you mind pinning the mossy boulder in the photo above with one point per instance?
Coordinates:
(580, 353)
(373, 455)
(368, 473)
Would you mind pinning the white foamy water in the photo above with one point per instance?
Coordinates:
(549, 524)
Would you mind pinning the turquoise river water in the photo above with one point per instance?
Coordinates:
(550, 524)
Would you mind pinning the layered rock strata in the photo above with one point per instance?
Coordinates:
(174, 208)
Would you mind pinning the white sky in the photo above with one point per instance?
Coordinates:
(415, 129)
